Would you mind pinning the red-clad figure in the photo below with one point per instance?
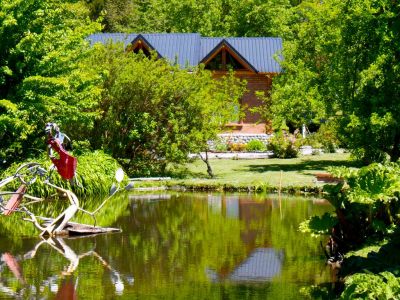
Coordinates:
(65, 163)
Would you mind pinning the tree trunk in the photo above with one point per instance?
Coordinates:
(205, 159)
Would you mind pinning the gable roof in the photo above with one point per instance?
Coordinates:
(140, 38)
(190, 49)
(217, 48)
(258, 52)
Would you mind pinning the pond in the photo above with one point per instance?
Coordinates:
(173, 246)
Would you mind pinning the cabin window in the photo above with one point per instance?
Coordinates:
(224, 60)
(215, 63)
(233, 63)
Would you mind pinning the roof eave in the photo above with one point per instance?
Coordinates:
(141, 38)
(224, 42)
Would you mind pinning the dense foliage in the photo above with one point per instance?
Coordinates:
(154, 113)
(42, 78)
(255, 145)
(342, 62)
(283, 145)
(367, 206)
(144, 112)
(208, 17)
(370, 286)
(94, 176)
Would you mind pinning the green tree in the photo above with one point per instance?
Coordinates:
(208, 17)
(41, 76)
(310, 35)
(154, 113)
(369, 66)
(342, 61)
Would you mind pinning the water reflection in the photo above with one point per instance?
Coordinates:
(260, 264)
(263, 264)
(173, 245)
(67, 287)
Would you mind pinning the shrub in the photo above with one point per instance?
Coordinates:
(327, 136)
(367, 205)
(220, 145)
(159, 118)
(255, 145)
(310, 140)
(81, 147)
(283, 145)
(237, 147)
(95, 175)
(384, 285)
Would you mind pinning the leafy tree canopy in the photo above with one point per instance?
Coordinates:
(341, 61)
(154, 113)
(41, 75)
(208, 17)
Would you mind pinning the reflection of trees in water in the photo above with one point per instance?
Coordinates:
(179, 232)
(179, 238)
(171, 245)
(301, 251)
(51, 208)
(273, 223)
(63, 283)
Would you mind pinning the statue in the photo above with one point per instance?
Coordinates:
(65, 164)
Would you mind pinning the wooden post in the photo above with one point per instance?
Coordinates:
(223, 58)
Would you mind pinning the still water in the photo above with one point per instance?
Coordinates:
(172, 246)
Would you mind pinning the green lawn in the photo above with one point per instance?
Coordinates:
(296, 172)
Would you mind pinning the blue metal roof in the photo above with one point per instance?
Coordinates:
(176, 47)
(228, 45)
(263, 264)
(207, 45)
(189, 49)
(260, 52)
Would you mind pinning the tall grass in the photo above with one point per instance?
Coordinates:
(94, 176)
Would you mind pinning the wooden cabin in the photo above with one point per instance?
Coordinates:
(252, 59)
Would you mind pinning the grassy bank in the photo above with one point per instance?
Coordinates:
(294, 175)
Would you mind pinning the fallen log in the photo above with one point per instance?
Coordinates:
(73, 229)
